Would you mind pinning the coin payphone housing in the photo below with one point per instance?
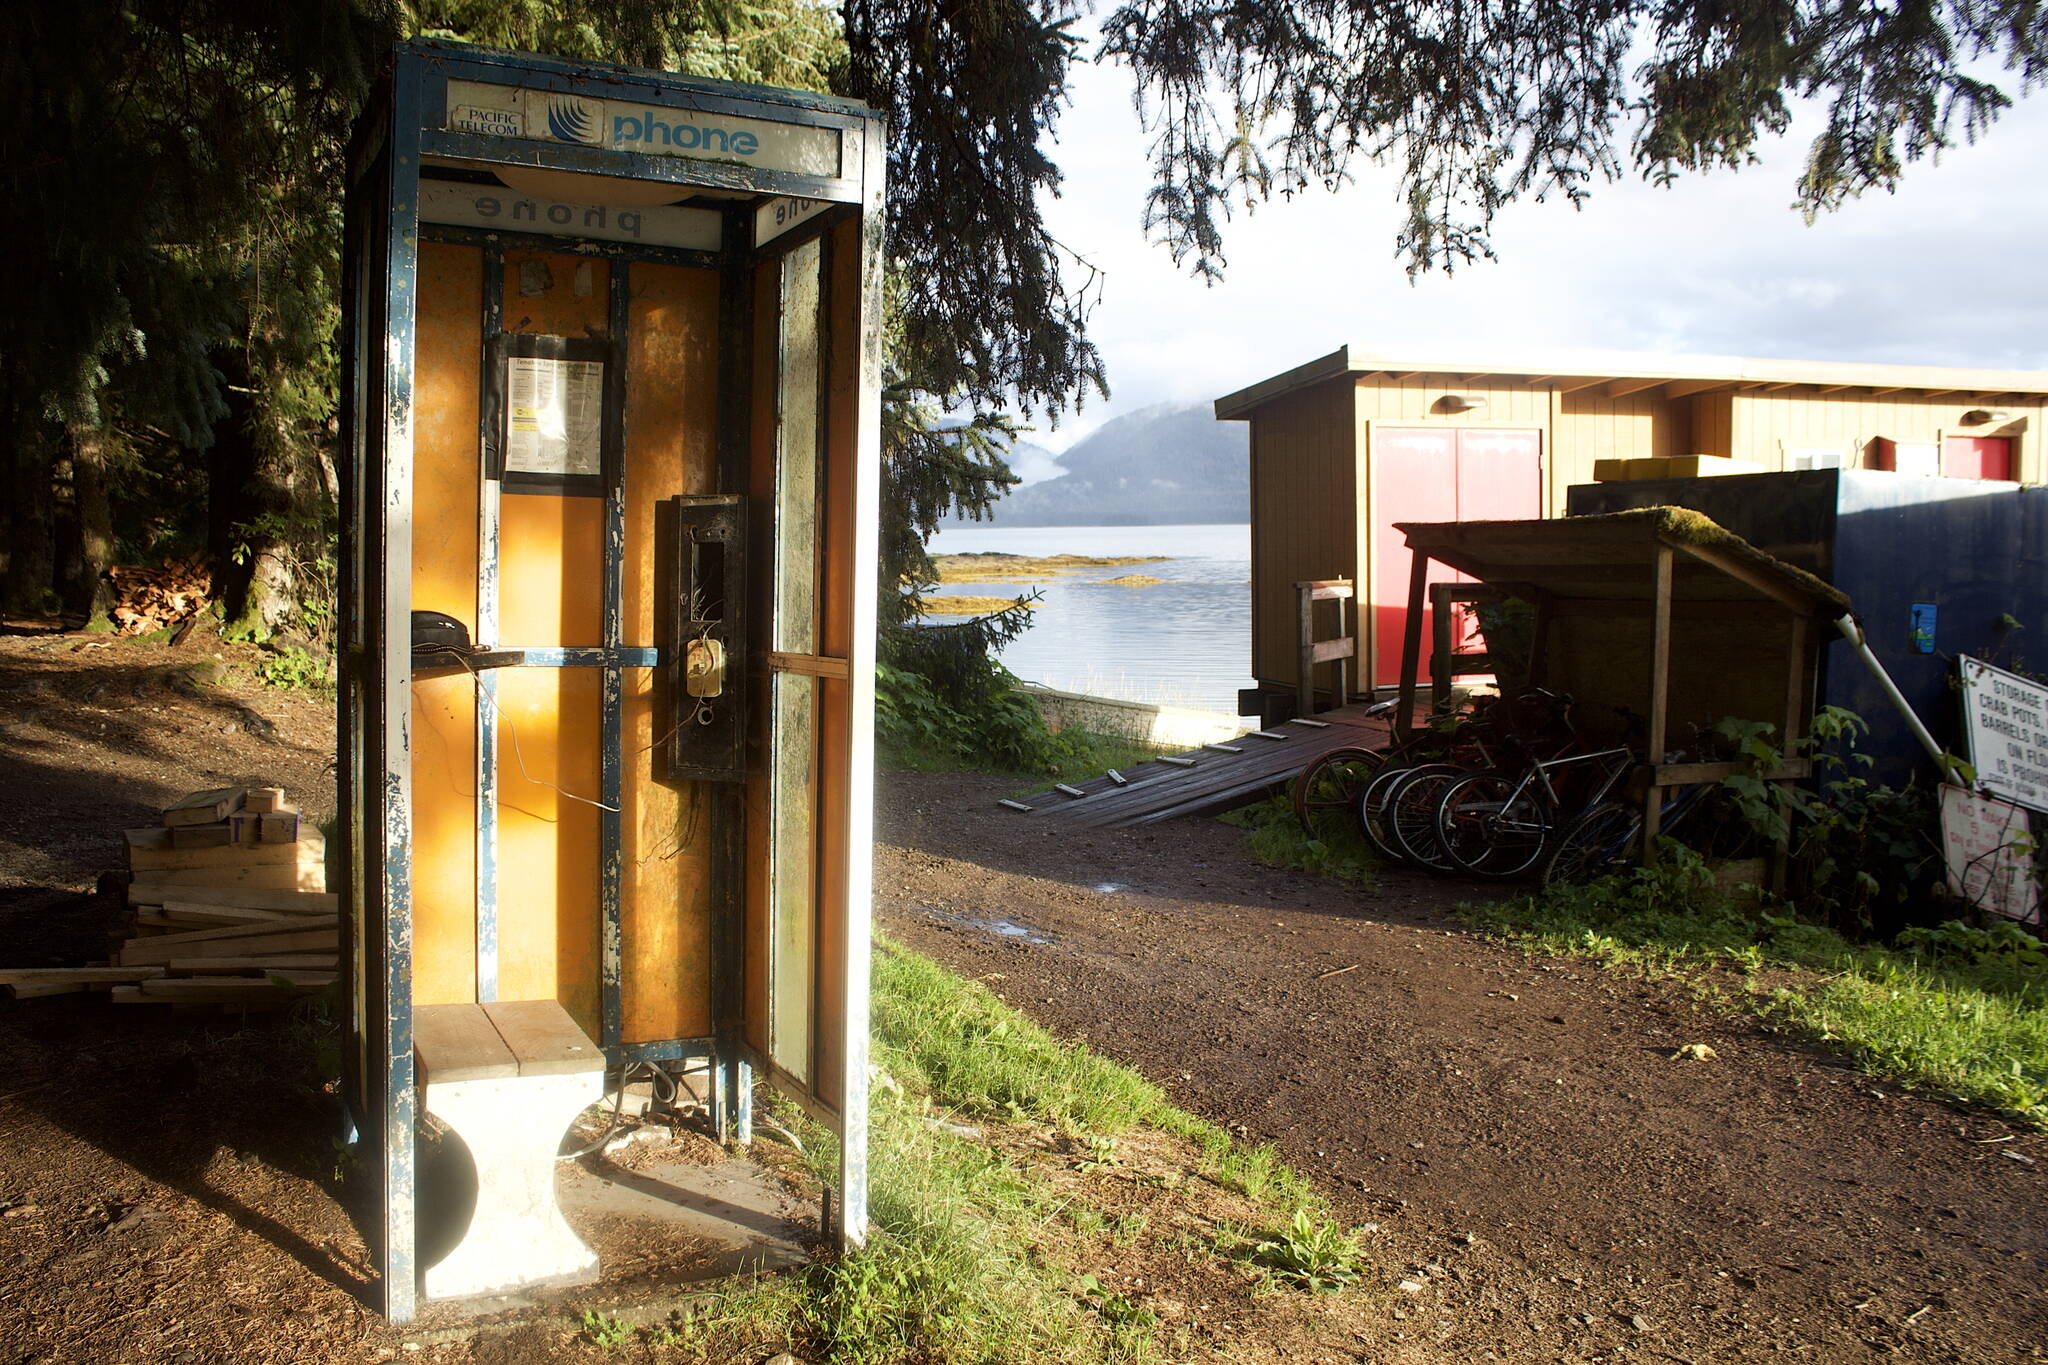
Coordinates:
(612, 373)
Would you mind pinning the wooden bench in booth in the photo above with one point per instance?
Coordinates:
(508, 1078)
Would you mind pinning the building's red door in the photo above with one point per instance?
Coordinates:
(1977, 457)
(1438, 474)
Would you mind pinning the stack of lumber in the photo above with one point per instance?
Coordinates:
(231, 909)
(147, 598)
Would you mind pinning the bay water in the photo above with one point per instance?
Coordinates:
(1185, 641)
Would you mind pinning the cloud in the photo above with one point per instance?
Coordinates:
(1947, 271)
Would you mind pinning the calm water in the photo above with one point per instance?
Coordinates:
(1183, 642)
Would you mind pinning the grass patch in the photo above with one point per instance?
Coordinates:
(1957, 1010)
(974, 1262)
(1078, 754)
(1336, 850)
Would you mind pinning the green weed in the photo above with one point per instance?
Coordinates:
(1311, 1253)
(292, 668)
(605, 1332)
(1955, 1009)
(1336, 850)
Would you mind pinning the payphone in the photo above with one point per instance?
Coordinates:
(612, 425)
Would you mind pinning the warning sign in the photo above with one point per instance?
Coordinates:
(2005, 722)
(1989, 855)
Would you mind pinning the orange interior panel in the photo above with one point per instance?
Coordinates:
(671, 448)
(548, 736)
(550, 293)
(444, 573)
(550, 557)
(671, 415)
(665, 896)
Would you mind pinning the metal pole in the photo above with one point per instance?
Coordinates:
(1853, 633)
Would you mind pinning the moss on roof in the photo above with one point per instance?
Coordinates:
(1675, 525)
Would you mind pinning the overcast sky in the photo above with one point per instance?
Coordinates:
(1948, 271)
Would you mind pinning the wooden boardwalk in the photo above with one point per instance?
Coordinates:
(1211, 778)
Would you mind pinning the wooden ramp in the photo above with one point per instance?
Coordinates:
(1213, 777)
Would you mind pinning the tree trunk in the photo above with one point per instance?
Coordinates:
(95, 521)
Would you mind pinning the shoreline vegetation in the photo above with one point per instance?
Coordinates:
(1005, 568)
(972, 606)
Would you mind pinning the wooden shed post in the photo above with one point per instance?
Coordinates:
(1796, 715)
(1411, 642)
(1660, 696)
(1305, 642)
(1440, 645)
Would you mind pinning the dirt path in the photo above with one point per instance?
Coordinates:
(1555, 1184)
(1556, 1188)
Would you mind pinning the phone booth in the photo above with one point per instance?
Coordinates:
(611, 475)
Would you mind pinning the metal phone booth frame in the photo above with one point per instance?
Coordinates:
(612, 364)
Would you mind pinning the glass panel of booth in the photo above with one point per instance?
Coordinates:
(793, 718)
(797, 452)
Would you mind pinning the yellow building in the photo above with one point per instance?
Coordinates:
(1351, 443)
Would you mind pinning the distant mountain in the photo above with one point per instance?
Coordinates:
(1168, 465)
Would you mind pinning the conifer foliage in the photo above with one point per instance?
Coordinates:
(169, 201)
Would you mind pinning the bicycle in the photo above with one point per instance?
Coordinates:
(1607, 838)
(1497, 825)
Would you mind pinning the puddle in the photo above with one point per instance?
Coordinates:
(1109, 888)
(1002, 928)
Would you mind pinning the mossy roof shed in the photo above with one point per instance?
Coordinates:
(1347, 445)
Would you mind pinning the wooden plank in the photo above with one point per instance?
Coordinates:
(810, 665)
(151, 850)
(1686, 774)
(217, 835)
(1325, 651)
(1660, 692)
(1781, 593)
(176, 921)
(203, 808)
(218, 991)
(1411, 640)
(168, 946)
(36, 990)
(22, 976)
(459, 1043)
(254, 898)
(543, 1038)
(262, 800)
(279, 827)
(202, 966)
(1305, 651)
(309, 875)
(206, 913)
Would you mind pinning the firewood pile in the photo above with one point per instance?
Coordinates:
(148, 598)
(231, 910)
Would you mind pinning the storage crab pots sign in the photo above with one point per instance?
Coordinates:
(612, 365)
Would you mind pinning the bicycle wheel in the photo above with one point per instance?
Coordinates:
(1334, 781)
(1491, 825)
(1412, 815)
(1605, 839)
(1374, 811)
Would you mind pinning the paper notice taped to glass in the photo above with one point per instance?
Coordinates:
(556, 416)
